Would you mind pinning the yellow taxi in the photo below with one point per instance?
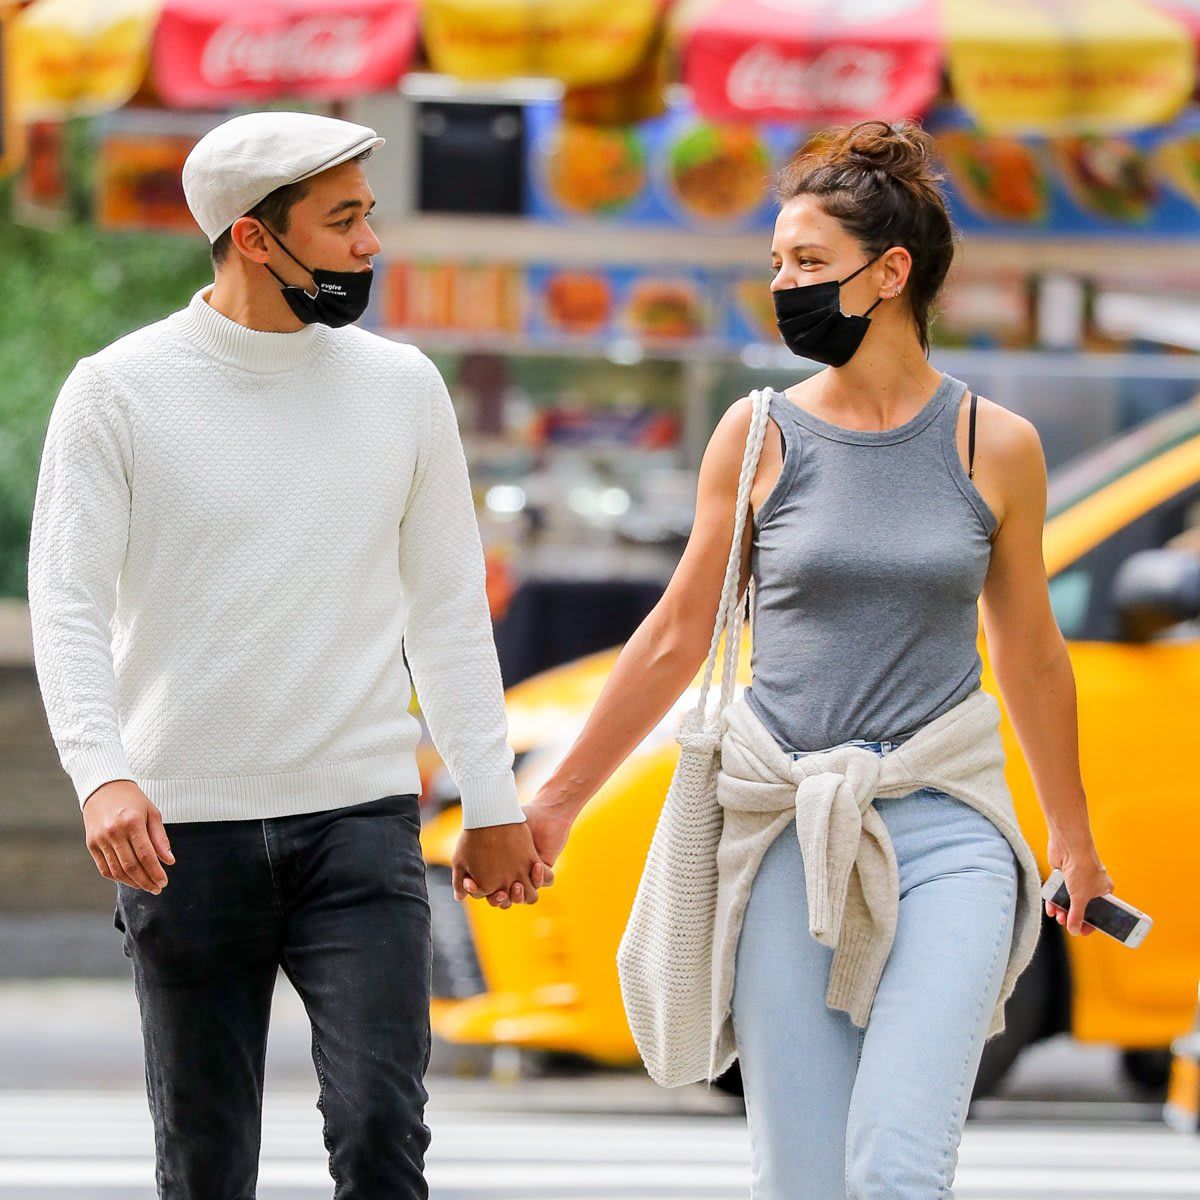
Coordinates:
(1122, 553)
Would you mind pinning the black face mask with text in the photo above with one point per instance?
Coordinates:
(812, 324)
(340, 296)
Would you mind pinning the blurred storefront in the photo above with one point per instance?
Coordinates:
(575, 208)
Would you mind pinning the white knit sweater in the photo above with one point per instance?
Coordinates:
(237, 535)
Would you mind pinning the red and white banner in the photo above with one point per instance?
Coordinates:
(818, 60)
(210, 53)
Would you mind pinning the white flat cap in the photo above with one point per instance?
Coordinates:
(232, 167)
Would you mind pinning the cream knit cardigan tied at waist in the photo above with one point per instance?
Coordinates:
(850, 866)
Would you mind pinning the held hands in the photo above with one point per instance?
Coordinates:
(125, 836)
(1085, 876)
(545, 828)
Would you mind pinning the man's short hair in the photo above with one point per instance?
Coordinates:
(274, 210)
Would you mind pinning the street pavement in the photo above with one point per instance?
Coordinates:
(72, 1145)
(74, 1123)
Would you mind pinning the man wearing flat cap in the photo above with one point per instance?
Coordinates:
(252, 519)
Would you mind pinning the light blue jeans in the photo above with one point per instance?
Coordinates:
(841, 1113)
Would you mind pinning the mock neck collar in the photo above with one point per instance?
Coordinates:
(240, 346)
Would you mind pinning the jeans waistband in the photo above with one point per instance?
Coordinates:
(881, 747)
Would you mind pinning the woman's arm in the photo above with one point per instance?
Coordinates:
(662, 656)
(1030, 661)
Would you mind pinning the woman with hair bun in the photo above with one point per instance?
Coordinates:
(869, 937)
(888, 501)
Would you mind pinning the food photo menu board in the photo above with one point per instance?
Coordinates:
(1145, 183)
(652, 306)
(678, 169)
(684, 171)
(573, 306)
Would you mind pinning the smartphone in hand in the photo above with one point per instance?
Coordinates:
(1128, 925)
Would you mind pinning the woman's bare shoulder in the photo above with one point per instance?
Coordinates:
(1013, 440)
(1010, 464)
(735, 420)
(727, 445)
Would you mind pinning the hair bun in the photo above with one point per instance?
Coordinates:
(900, 149)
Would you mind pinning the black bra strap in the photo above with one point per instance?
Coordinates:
(971, 441)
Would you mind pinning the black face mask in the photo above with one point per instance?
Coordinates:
(340, 296)
(812, 323)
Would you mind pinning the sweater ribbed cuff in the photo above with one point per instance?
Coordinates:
(92, 766)
(827, 900)
(490, 800)
(854, 974)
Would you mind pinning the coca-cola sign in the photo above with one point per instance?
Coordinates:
(212, 53)
(841, 78)
(330, 46)
(812, 59)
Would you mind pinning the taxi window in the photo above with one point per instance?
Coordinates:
(1081, 594)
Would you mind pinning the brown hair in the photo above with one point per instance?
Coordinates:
(274, 210)
(879, 179)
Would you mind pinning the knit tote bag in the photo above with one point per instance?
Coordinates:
(664, 959)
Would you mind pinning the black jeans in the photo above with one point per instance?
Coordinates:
(337, 899)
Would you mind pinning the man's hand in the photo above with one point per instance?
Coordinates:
(499, 862)
(549, 821)
(125, 836)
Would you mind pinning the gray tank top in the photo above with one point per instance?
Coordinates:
(868, 558)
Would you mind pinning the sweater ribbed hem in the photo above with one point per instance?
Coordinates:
(490, 800)
(250, 797)
(91, 767)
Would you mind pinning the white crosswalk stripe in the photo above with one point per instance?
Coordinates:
(77, 1144)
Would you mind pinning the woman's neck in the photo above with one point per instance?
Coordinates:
(884, 383)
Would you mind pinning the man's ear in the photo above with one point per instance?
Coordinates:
(250, 238)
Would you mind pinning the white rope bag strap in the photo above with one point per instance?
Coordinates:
(729, 611)
(664, 960)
